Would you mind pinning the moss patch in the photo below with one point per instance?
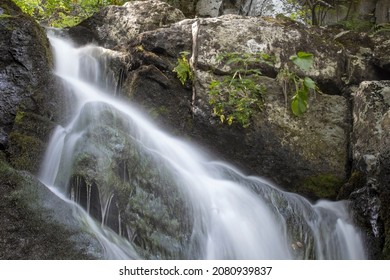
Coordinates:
(25, 151)
(33, 124)
(324, 186)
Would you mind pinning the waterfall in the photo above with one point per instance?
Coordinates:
(146, 194)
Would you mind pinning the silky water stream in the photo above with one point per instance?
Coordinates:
(146, 194)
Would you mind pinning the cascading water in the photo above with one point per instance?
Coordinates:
(154, 196)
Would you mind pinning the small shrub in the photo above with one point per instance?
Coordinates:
(237, 96)
(183, 69)
(302, 85)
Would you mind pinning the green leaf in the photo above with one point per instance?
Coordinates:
(299, 103)
(254, 71)
(214, 84)
(303, 60)
(265, 56)
(309, 83)
(230, 120)
(184, 53)
(183, 69)
(233, 60)
(295, 107)
(304, 55)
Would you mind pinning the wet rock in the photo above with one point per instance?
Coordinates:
(36, 224)
(31, 104)
(28, 88)
(370, 152)
(133, 188)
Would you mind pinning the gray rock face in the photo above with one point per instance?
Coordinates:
(18, 69)
(370, 152)
(381, 54)
(371, 106)
(208, 8)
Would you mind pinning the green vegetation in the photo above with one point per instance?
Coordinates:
(183, 68)
(302, 85)
(26, 151)
(237, 96)
(380, 29)
(357, 25)
(62, 13)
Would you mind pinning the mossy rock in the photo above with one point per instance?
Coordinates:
(33, 124)
(25, 151)
(29, 231)
(323, 186)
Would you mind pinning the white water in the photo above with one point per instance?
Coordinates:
(232, 216)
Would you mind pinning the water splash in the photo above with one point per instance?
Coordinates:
(163, 197)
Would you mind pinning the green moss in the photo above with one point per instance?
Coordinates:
(19, 116)
(321, 186)
(25, 151)
(4, 167)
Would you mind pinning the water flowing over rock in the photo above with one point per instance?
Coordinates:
(165, 198)
(340, 65)
(129, 184)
